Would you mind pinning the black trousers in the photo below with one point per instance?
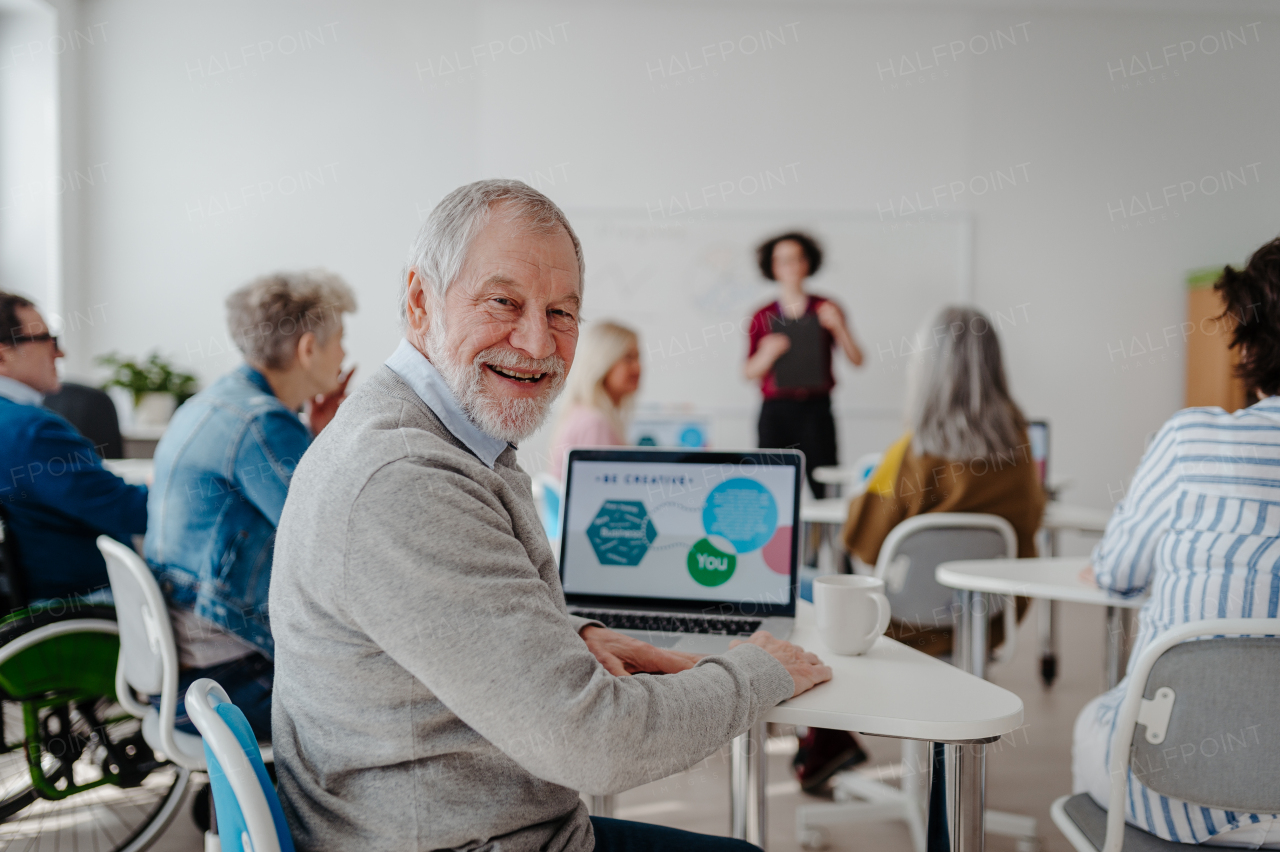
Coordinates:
(801, 424)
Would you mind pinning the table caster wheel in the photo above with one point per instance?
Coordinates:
(814, 838)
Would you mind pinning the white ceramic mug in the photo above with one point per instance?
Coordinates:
(852, 612)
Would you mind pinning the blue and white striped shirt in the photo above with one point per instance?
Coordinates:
(1200, 529)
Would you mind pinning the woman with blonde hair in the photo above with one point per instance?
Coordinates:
(598, 392)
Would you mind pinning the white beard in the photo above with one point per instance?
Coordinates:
(510, 420)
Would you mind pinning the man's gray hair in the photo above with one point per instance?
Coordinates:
(267, 316)
(441, 246)
(958, 403)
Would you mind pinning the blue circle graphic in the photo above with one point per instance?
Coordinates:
(742, 511)
(691, 437)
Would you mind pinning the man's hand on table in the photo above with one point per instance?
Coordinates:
(804, 667)
(623, 655)
(1086, 575)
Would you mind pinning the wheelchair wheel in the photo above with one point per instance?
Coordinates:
(75, 771)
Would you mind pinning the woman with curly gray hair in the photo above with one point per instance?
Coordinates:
(222, 473)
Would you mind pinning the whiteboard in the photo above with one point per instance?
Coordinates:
(691, 285)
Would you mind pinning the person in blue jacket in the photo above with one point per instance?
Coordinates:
(54, 492)
(222, 473)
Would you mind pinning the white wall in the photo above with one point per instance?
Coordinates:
(376, 110)
(31, 188)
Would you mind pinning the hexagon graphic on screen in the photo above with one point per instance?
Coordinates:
(621, 532)
(741, 511)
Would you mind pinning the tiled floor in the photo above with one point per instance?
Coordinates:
(1026, 771)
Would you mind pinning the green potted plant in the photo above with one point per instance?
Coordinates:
(157, 388)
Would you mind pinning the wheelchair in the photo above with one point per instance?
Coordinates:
(75, 771)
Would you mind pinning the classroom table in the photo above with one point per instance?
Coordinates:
(1050, 578)
(891, 691)
(1057, 518)
(132, 471)
(829, 511)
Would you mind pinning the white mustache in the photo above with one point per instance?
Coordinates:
(552, 365)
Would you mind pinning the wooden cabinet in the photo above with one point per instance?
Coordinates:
(1211, 376)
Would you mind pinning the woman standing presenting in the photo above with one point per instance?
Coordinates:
(796, 413)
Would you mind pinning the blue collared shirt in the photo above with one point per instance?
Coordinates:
(421, 375)
(21, 393)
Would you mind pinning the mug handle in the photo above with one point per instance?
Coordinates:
(882, 617)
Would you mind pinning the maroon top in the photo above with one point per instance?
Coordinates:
(762, 324)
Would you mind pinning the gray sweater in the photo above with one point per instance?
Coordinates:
(431, 690)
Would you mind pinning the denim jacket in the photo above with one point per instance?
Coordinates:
(222, 472)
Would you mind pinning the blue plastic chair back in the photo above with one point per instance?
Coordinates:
(232, 830)
(551, 513)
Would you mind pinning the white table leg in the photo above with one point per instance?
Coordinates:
(747, 774)
(978, 632)
(967, 778)
(969, 644)
(962, 640)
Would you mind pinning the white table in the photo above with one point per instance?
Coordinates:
(1064, 516)
(891, 691)
(1050, 579)
(1057, 518)
(132, 471)
(829, 511)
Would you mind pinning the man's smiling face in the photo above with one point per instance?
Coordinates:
(510, 325)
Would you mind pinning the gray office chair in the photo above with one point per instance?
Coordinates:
(1190, 693)
(920, 544)
(906, 563)
(93, 414)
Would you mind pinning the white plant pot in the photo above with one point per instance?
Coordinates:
(154, 409)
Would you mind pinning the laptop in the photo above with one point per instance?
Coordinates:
(685, 549)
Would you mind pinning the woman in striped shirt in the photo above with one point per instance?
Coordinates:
(1199, 531)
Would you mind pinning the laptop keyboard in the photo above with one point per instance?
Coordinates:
(671, 623)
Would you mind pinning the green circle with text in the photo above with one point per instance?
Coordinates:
(710, 566)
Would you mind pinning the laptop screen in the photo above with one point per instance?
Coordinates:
(681, 529)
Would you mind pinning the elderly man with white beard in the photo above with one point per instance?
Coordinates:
(431, 689)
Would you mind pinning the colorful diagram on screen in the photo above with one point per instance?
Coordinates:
(740, 516)
(621, 532)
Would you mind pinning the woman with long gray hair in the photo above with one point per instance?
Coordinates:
(966, 447)
(965, 450)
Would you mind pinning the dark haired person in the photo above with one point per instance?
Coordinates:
(54, 491)
(797, 417)
(1203, 546)
(222, 472)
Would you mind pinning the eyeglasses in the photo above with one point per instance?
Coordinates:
(35, 338)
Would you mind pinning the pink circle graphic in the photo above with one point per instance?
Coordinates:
(777, 552)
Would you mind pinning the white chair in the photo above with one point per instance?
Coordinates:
(248, 809)
(908, 557)
(918, 545)
(148, 654)
(1201, 700)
